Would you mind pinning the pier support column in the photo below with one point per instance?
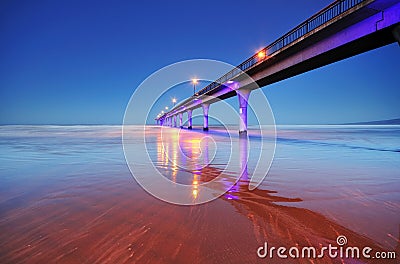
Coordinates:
(174, 120)
(244, 156)
(205, 114)
(243, 96)
(396, 34)
(180, 120)
(189, 112)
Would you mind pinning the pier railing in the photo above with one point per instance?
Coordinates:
(325, 15)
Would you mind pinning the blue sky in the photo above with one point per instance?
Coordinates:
(78, 62)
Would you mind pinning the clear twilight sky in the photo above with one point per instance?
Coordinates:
(78, 62)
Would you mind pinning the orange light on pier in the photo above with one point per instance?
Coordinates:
(261, 54)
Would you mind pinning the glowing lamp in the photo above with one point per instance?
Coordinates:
(261, 55)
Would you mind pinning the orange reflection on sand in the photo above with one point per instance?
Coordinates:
(195, 185)
(174, 167)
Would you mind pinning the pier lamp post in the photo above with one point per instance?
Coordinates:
(194, 81)
(174, 101)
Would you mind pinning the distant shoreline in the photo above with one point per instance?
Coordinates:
(380, 122)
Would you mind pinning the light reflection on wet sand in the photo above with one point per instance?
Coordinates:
(85, 207)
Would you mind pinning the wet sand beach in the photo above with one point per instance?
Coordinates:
(67, 196)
